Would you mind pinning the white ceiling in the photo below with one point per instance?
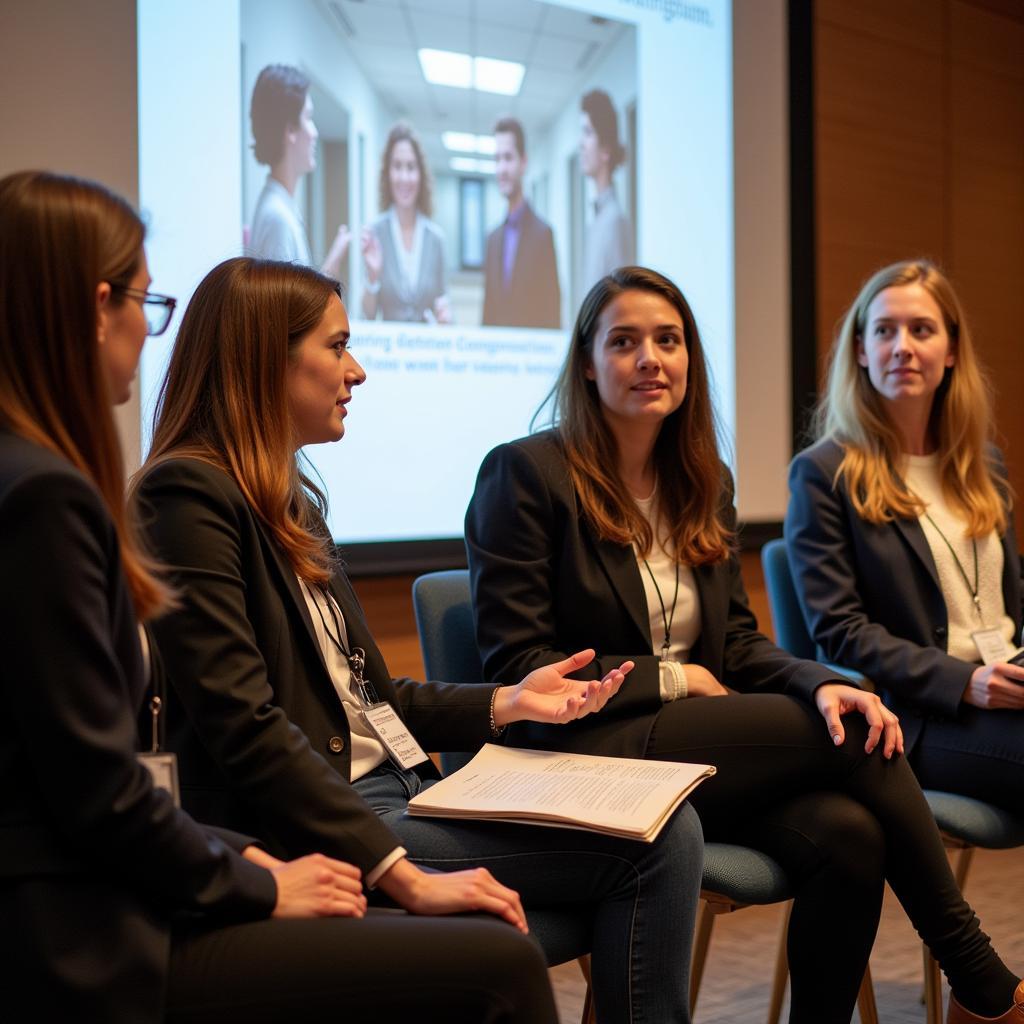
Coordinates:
(557, 45)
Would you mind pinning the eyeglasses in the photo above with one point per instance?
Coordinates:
(158, 309)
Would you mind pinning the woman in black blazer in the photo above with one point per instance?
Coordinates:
(899, 516)
(115, 905)
(577, 529)
(268, 643)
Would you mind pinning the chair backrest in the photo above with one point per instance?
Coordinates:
(787, 616)
(444, 620)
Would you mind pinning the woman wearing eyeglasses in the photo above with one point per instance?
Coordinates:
(115, 906)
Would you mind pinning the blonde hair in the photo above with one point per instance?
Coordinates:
(59, 238)
(224, 397)
(689, 469)
(853, 414)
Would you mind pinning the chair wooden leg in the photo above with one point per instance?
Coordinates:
(589, 1015)
(932, 990)
(866, 1000)
(963, 865)
(781, 970)
(701, 941)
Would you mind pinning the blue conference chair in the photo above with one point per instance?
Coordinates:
(965, 823)
(734, 876)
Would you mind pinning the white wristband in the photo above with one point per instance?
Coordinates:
(672, 681)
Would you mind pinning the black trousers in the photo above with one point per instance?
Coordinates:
(838, 821)
(388, 968)
(74, 949)
(979, 754)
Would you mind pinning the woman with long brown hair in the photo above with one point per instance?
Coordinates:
(116, 905)
(403, 249)
(277, 679)
(901, 538)
(618, 522)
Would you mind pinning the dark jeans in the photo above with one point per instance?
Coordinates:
(837, 820)
(641, 897)
(980, 754)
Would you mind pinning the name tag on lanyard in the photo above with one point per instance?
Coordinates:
(383, 720)
(991, 645)
(394, 735)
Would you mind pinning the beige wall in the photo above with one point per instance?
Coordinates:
(68, 70)
(919, 146)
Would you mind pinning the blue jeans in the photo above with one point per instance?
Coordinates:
(641, 897)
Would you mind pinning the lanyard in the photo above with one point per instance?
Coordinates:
(666, 617)
(355, 656)
(974, 591)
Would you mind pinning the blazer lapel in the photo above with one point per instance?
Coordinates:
(290, 583)
(712, 620)
(619, 564)
(914, 536)
(1011, 580)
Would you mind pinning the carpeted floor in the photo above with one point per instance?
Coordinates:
(738, 975)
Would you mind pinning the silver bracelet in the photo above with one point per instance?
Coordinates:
(496, 730)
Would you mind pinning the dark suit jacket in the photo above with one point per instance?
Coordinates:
(545, 586)
(532, 298)
(260, 731)
(81, 825)
(870, 593)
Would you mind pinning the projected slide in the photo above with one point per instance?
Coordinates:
(467, 170)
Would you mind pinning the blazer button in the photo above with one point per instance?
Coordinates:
(335, 744)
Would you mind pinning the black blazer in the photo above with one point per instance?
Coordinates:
(81, 825)
(870, 593)
(532, 298)
(544, 586)
(260, 731)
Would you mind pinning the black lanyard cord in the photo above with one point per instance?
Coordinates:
(355, 656)
(666, 616)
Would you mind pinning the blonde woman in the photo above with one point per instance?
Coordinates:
(901, 539)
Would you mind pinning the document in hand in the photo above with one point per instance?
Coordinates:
(620, 796)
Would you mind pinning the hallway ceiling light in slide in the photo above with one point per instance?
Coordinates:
(460, 70)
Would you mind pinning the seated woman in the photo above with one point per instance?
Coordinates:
(403, 249)
(273, 664)
(901, 539)
(618, 523)
(116, 906)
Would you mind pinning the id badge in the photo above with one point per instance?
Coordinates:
(991, 645)
(164, 769)
(394, 734)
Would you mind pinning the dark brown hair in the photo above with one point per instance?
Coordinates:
(277, 101)
(597, 105)
(224, 397)
(514, 127)
(60, 237)
(689, 470)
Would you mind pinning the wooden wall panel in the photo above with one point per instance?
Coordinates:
(986, 202)
(919, 150)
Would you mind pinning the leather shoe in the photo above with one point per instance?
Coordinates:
(1014, 1015)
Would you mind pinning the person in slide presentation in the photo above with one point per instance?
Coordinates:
(403, 250)
(520, 272)
(285, 140)
(116, 906)
(901, 539)
(619, 522)
(608, 242)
